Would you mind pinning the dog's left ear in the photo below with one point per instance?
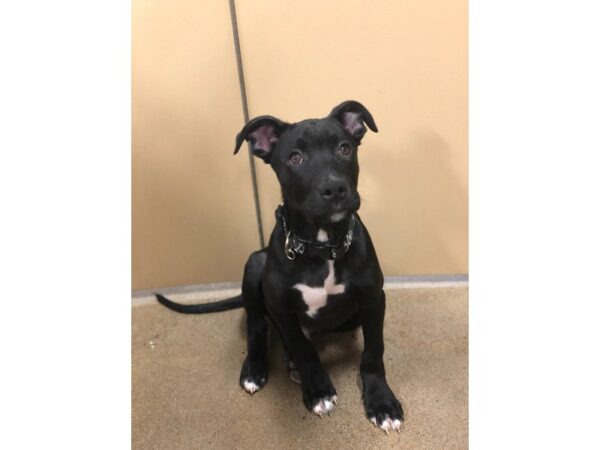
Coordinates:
(353, 116)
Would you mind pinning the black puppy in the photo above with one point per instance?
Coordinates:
(319, 271)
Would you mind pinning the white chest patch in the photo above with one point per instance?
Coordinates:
(316, 297)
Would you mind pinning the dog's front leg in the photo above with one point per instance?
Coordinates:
(381, 405)
(318, 393)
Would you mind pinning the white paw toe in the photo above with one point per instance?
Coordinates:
(325, 405)
(388, 424)
(250, 386)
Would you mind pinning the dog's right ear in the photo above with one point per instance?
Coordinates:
(263, 133)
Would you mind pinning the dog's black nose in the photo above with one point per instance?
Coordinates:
(334, 190)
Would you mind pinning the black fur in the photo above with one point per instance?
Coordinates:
(320, 193)
(221, 305)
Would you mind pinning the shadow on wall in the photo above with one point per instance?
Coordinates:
(428, 207)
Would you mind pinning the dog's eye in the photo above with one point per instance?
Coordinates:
(345, 150)
(295, 158)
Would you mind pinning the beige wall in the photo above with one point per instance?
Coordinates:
(193, 213)
(405, 60)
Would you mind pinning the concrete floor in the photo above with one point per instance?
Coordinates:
(186, 393)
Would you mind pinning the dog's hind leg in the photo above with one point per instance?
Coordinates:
(255, 368)
(289, 360)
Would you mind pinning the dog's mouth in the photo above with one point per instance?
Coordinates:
(338, 217)
(323, 213)
(339, 212)
(343, 209)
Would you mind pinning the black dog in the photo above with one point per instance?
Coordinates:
(319, 271)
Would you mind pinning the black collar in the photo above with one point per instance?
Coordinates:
(295, 245)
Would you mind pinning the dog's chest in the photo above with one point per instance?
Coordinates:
(315, 296)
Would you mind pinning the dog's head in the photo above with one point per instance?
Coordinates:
(315, 160)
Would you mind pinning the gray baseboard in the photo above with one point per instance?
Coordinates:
(197, 293)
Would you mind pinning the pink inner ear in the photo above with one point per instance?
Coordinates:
(264, 138)
(352, 122)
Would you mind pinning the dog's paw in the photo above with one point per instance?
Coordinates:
(253, 376)
(383, 408)
(318, 393)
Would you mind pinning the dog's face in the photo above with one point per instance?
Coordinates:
(315, 160)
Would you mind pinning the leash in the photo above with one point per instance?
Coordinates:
(295, 245)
